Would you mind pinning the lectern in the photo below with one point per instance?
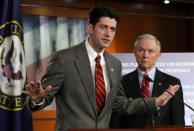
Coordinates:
(142, 129)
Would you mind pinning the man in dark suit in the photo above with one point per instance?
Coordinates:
(147, 50)
(83, 86)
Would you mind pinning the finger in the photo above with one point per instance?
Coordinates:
(173, 89)
(177, 87)
(32, 84)
(32, 89)
(38, 84)
(47, 90)
(28, 88)
(26, 92)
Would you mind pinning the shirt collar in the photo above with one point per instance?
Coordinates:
(91, 52)
(151, 73)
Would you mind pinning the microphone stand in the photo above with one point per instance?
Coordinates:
(180, 101)
(152, 116)
(147, 106)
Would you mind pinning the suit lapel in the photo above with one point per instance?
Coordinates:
(110, 72)
(83, 65)
(112, 81)
(136, 88)
(110, 69)
(158, 84)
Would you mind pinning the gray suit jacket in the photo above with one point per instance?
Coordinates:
(70, 74)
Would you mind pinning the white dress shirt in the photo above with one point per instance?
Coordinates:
(92, 56)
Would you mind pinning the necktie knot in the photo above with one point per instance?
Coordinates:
(146, 77)
(97, 59)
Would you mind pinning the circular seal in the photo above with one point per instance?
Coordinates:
(12, 66)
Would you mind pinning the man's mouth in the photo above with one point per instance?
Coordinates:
(106, 40)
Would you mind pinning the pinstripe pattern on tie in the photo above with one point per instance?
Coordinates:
(100, 85)
(145, 86)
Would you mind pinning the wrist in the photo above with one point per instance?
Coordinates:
(157, 107)
(157, 102)
(38, 102)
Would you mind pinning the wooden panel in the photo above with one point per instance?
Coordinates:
(81, 4)
(156, 8)
(44, 120)
(54, 11)
(71, 8)
(173, 33)
(170, 23)
(170, 128)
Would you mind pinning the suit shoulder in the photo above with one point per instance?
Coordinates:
(113, 58)
(168, 76)
(68, 52)
(130, 74)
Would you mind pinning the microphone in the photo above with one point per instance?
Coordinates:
(152, 116)
(180, 100)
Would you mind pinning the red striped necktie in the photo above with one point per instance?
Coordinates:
(145, 86)
(100, 85)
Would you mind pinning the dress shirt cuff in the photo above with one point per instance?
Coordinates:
(157, 107)
(38, 104)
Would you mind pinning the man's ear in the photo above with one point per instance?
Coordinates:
(159, 54)
(90, 29)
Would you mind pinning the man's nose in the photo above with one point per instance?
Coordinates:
(146, 54)
(108, 32)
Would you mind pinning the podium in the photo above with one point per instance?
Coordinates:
(141, 129)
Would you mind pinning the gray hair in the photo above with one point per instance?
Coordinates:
(147, 37)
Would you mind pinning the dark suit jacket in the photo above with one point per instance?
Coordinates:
(170, 114)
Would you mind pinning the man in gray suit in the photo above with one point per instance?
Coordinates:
(70, 79)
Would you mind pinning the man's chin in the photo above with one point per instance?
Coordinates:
(144, 68)
(106, 45)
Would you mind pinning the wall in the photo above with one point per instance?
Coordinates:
(172, 24)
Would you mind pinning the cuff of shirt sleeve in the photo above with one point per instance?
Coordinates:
(38, 104)
(157, 108)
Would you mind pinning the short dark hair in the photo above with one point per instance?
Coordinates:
(99, 12)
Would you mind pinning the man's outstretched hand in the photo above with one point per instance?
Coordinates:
(167, 95)
(36, 91)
